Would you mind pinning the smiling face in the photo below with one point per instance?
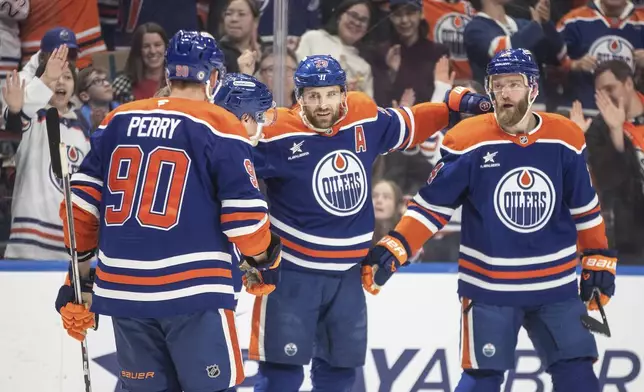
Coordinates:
(406, 20)
(153, 51)
(353, 24)
(63, 90)
(321, 105)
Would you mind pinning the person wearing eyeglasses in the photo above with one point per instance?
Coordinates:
(97, 96)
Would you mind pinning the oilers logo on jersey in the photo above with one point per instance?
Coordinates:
(613, 47)
(524, 199)
(340, 183)
(74, 158)
(449, 30)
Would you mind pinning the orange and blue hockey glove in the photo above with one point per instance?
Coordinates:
(389, 254)
(463, 100)
(598, 271)
(262, 278)
(77, 318)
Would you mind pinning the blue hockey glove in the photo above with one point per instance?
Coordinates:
(77, 318)
(389, 254)
(262, 278)
(598, 271)
(463, 100)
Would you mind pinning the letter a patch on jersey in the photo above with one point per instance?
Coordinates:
(361, 142)
(250, 169)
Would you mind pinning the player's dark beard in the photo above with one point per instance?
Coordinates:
(322, 123)
(511, 117)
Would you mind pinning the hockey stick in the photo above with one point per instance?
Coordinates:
(60, 167)
(594, 325)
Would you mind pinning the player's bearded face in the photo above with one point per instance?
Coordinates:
(511, 97)
(321, 105)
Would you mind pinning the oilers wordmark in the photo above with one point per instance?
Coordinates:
(340, 183)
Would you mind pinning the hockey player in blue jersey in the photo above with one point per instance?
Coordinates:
(529, 207)
(168, 184)
(316, 163)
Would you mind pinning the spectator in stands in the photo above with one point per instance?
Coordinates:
(36, 230)
(388, 203)
(241, 19)
(404, 65)
(599, 31)
(95, 92)
(491, 31)
(615, 141)
(144, 70)
(265, 74)
(339, 39)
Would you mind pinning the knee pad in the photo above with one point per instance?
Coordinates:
(277, 377)
(327, 378)
(474, 380)
(574, 375)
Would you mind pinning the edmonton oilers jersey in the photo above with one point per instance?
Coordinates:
(319, 186)
(526, 201)
(587, 31)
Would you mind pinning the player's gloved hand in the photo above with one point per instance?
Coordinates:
(389, 254)
(598, 271)
(463, 100)
(262, 278)
(77, 318)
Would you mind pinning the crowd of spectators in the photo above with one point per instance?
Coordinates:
(399, 52)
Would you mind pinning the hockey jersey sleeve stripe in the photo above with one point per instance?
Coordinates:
(244, 230)
(165, 279)
(441, 220)
(251, 203)
(163, 263)
(89, 191)
(509, 287)
(509, 275)
(519, 261)
(416, 229)
(86, 205)
(591, 207)
(331, 254)
(313, 239)
(593, 237)
(80, 178)
(243, 216)
(164, 295)
(85, 225)
(589, 224)
(402, 122)
(255, 241)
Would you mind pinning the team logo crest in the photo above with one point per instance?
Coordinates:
(64, 35)
(613, 47)
(524, 199)
(213, 371)
(320, 63)
(449, 31)
(74, 158)
(485, 106)
(340, 183)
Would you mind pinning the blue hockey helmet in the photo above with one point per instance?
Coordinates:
(513, 61)
(192, 56)
(319, 71)
(243, 94)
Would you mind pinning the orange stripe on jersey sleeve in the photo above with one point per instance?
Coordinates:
(594, 210)
(429, 118)
(439, 218)
(242, 216)
(414, 232)
(85, 226)
(592, 238)
(331, 254)
(539, 273)
(166, 279)
(254, 243)
(96, 194)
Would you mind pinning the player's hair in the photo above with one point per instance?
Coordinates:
(619, 68)
(163, 92)
(83, 77)
(332, 25)
(134, 64)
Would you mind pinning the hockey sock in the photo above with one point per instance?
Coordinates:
(326, 378)
(277, 377)
(480, 381)
(574, 375)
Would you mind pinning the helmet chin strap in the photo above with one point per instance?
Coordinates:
(343, 107)
(254, 140)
